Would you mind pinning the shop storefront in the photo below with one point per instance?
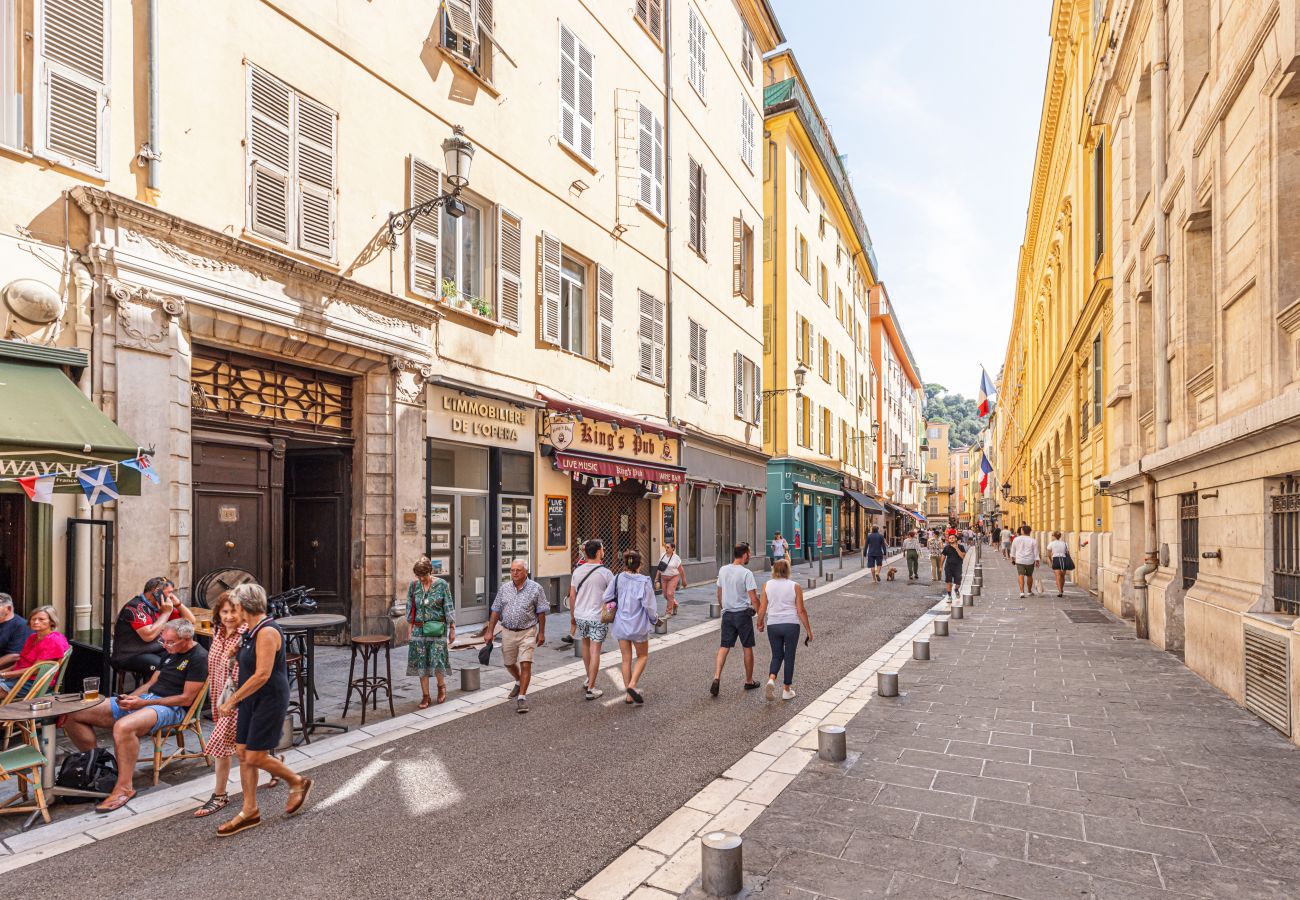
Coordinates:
(862, 511)
(804, 505)
(723, 503)
(480, 514)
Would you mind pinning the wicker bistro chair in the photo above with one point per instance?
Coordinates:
(25, 764)
(192, 723)
(40, 677)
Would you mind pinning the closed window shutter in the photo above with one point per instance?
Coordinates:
(315, 141)
(747, 51)
(650, 152)
(510, 267)
(604, 315)
(422, 244)
(748, 130)
(72, 83)
(651, 333)
(697, 46)
(693, 202)
(651, 13)
(703, 210)
(548, 287)
(737, 256)
(740, 385)
(758, 394)
(798, 424)
(270, 154)
(586, 102)
(568, 87)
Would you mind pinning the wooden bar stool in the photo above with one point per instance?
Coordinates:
(371, 682)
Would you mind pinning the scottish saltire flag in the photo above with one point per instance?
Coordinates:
(987, 468)
(98, 485)
(986, 392)
(39, 488)
(142, 465)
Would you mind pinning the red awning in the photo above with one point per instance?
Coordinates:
(562, 404)
(608, 466)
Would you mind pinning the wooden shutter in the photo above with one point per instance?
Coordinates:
(510, 267)
(314, 142)
(697, 42)
(651, 13)
(748, 130)
(460, 14)
(586, 102)
(72, 83)
(758, 394)
(740, 384)
(737, 256)
(604, 315)
(568, 87)
(651, 333)
(270, 154)
(693, 202)
(703, 211)
(548, 287)
(422, 241)
(650, 153)
(699, 351)
(747, 50)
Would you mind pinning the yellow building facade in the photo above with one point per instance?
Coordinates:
(1052, 435)
(939, 496)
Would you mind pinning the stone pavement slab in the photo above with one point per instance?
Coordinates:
(1037, 758)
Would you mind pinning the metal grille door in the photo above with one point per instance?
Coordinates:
(1286, 548)
(1189, 535)
(619, 519)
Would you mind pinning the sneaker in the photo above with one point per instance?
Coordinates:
(593, 693)
(568, 639)
(514, 691)
(713, 688)
(788, 694)
(1022, 595)
(521, 705)
(770, 690)
(751, 685)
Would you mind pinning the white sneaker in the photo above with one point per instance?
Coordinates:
(1022, 595)
(770, 689)
(787, 694)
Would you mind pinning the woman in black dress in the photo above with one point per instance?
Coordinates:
(263, 702)
(953, 554)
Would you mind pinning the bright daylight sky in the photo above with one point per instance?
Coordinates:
(935, 104)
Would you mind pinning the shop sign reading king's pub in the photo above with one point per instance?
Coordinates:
(603, 439)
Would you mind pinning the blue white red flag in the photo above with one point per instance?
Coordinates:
(986, 393)
(987, 468)
(39, 488)
(142, 465)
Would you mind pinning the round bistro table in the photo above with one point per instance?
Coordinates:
(310, 623)
(46, 739)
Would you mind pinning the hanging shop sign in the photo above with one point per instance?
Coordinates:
(611, 439)
(455, 416)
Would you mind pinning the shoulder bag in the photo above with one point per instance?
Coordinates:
(610, 609)
(1069, 562)
(433, 629)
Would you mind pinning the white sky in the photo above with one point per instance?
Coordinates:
(935, 104)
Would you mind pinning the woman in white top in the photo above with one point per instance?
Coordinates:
(634, 618)
(671, 576)
(1059, 551)
(780, 610)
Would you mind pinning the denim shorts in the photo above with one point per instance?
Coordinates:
(168, 716)
(592, 629)
(737, 625)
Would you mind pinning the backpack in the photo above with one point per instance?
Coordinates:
(94, 770)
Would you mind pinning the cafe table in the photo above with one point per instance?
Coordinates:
(310, 623)
(46, 739)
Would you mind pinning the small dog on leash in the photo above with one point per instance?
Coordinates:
(889, 576)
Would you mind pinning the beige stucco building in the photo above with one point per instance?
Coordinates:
(1202, 108)
(198, 198)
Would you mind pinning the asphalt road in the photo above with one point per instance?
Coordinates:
(495, 804)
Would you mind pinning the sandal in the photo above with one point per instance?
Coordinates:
(424, 702)
(634, 696)
(298, 798)
(239, 823)
(216, 803)
(275, 779)
(114, 801)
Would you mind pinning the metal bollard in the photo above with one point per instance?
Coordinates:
(921, 648)
(975, 590)
(469, 678)
(661, 626)
(577, 648)
(722, 867)
(887, 684)
(812, 583)
(832, 743)
(713, 610)
(940, 627)
(830, 576)
(956, 611)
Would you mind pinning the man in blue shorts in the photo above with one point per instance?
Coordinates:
(738, 596)
(874, 551)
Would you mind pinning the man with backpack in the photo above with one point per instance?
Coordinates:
(586, 588)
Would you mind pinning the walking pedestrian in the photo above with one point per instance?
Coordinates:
(520, 606)
(671, 576)
(780, 549)
(586, 600)
(635, 618)
(953, 554)
(223, 669)
(738, 596)
(912, 553)
(1024, 553)
(781, 610)
(1006, 543)
(874, 551)
(262, 701)
(432, 611)
(934, 546)
(1059, 551)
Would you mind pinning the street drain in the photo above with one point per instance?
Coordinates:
(1087, 616)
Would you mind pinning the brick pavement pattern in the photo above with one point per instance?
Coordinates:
(1037, 758)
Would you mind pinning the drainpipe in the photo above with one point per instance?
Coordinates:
(1141, 618)
(668, 214)
(83, 287)
(1160, 275)
(149, 155)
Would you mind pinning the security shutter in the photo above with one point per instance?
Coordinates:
(315, 141)
(651, 333)
(651, 158)
(548, 287)
(510, 269)
(748, 130)
(71, 56)
(422, 243)
(270, 151)
(604, 315)
(739, 364)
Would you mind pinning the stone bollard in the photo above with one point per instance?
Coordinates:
(940, 627)
(832, 743)
(722, 867)
(469, 678)
(921, 648)
(956, 611)
(887, 684)
(713, 610)
(661, 626)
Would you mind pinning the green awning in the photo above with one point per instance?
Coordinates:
(47, 426)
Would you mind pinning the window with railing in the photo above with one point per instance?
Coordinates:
(1189, 536)
(1286, 547)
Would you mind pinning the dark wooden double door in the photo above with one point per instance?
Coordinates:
(276, 510)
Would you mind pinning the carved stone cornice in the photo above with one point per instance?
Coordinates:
(144, 316)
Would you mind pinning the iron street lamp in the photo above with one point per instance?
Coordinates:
(1006, 489)
(800, 373)
(875, 431)
(457, 154)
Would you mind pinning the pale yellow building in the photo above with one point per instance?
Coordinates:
(1200, 104)
(198, 199)
(939, 497)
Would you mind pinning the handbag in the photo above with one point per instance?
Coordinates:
(1069, 562)
(610, 610)
(434, 629)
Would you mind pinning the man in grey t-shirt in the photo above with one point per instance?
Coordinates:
(586, 590)
(738, 596)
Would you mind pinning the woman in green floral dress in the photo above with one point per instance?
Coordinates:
(428, 600)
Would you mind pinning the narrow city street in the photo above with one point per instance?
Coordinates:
(496, 804)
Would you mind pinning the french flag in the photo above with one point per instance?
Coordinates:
(39, 488)
(987, 468)
(986, 392)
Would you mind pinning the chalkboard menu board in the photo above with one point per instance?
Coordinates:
(557, 522)
(670, 523)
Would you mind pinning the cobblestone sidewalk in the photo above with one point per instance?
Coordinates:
(1037, 758)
